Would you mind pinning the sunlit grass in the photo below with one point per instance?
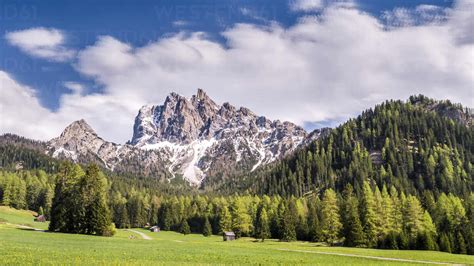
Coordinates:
(20, 247)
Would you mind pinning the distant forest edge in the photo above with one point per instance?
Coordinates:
(399, 176)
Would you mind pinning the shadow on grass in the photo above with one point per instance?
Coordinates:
(32, 229)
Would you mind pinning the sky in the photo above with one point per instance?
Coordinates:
(313, 62)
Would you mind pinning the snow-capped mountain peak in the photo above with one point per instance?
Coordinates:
(195, 138)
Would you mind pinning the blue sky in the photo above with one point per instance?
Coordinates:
(140, 24)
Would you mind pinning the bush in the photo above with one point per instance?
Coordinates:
(109, 230)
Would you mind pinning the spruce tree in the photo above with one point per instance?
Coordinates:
(241, 220)
(225, 219)
(369, 216)
(206, 230)
(352, 227)
(94, 195)
(184, 227)
(313, 220)
(445, 243)
(263, 225)
(330, 224)
(460, 244)
(288, 230)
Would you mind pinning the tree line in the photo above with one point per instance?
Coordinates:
(83, 201)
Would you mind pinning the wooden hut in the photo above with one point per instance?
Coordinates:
(40, 218)
(154, 229)
(228, 236)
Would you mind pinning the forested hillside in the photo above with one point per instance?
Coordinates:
(414, 146)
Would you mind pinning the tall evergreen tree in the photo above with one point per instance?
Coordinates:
(330, 224)
(207, 230)
(288, 227)
(352, 227)
(184, 227)
(225, 219)
(369, 216)
(263, 226)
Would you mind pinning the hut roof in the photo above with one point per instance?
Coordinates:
(229, 233)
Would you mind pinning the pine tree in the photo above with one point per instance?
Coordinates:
(207, 230)
(225, 219)
(352, 227)
(369, 217)
(63, 201)
(241, 220)
(288, 230)
(413, 217)
(184, 227)
(80, 202)
(330, 224)
(263, 225)
(387, 213)
(313, 220)
(460, 244)
(445, 243)
(7, 191)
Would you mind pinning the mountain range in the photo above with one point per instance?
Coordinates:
(199, 142)
(189, 138)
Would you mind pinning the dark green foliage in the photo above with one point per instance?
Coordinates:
(352, 227)
(262, 228)
(460, 244)
(445, 243)
(184, 227)
(401, 144)
(80, 202)
(207, 230)
(425, 241)
(288, 230)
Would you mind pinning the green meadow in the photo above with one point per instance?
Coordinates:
(20, 245)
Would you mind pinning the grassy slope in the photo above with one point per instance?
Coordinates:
(28, 247)
(20, 217)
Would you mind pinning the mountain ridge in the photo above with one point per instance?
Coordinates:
(167, 158)
(189, 137)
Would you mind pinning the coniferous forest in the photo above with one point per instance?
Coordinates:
(399, 176)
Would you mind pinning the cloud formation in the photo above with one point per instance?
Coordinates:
(41, 42)
(324, 68)
(422, 14)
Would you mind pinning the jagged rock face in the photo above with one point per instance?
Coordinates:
(80, 143)
(197, 136)
(193, 138)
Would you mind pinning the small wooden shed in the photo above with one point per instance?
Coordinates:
(40, 218)
(155, 229)
(228, 236)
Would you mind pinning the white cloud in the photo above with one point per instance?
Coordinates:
(41, 42)
(180, 23)
(318, 5)
(422, 14)
(21, 113)
(462, 22)
(325, 68)
(75, 87)
(306, 5)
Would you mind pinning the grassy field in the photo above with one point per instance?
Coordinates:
(20, 246)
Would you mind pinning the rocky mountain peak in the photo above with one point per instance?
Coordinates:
(194, 138)
(78, 128)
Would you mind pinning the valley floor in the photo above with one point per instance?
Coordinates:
(20, 245)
